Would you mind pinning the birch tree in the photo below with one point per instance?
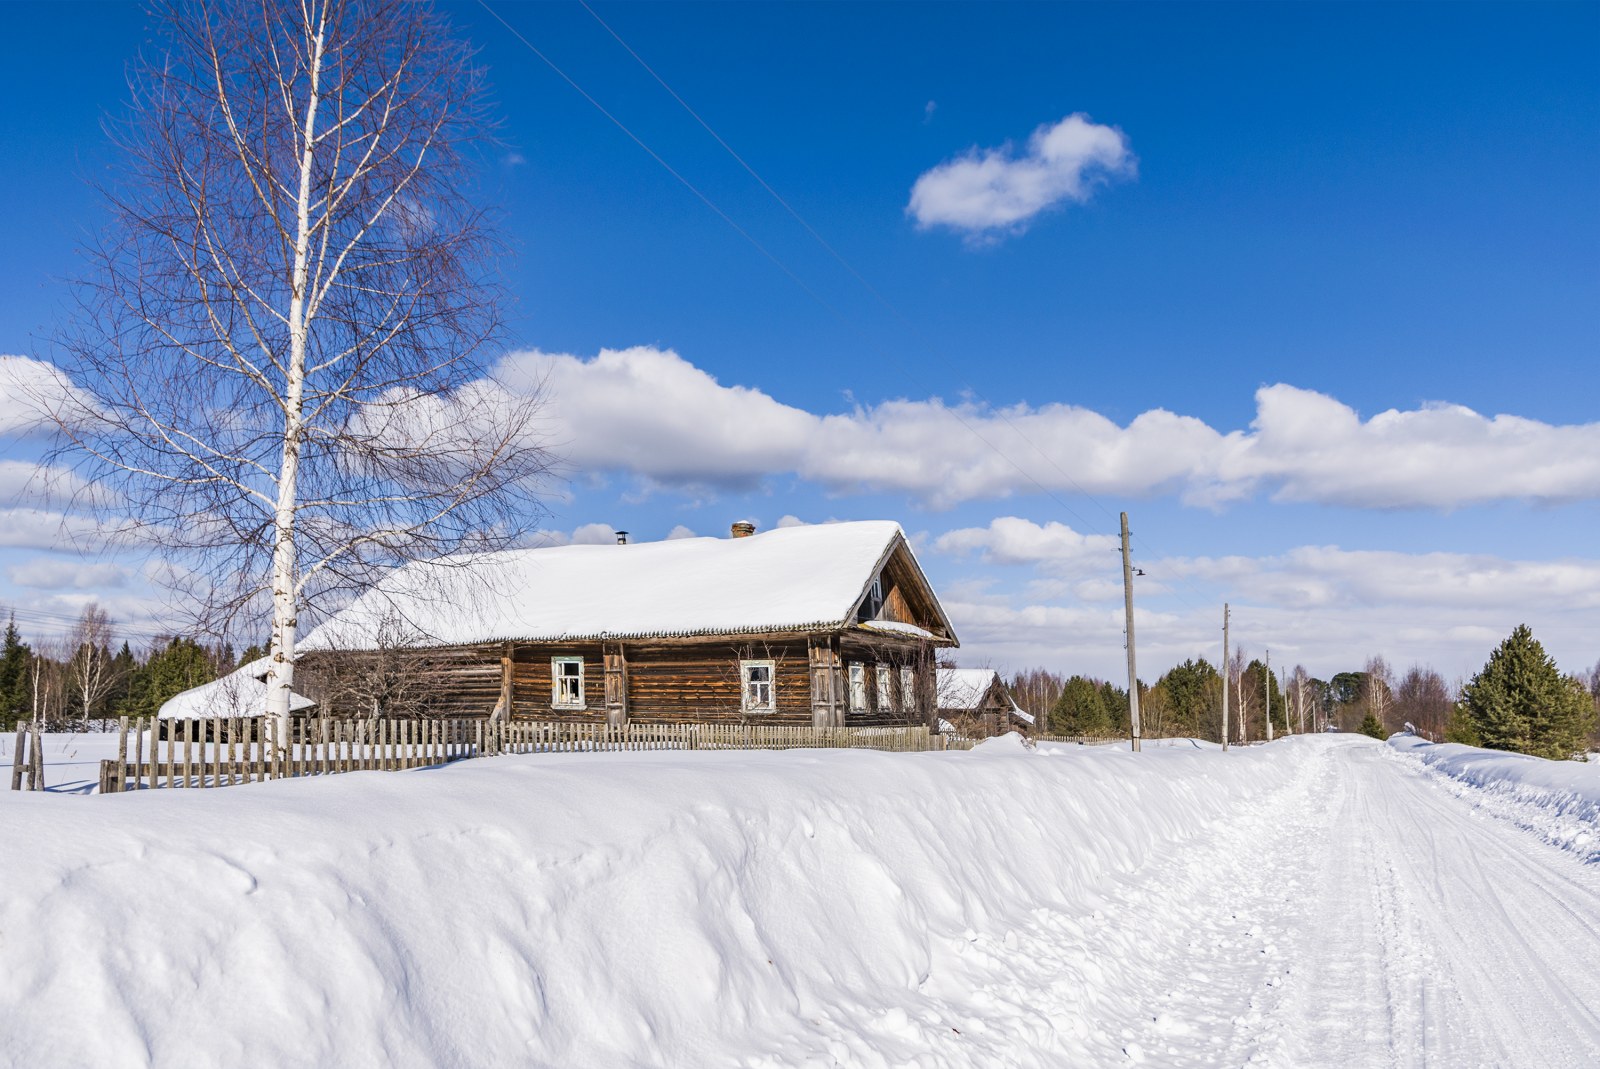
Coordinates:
(282, 353)
(90, 670)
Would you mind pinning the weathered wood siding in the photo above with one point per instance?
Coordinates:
(531, 682)
(460, 681)
(701, 682)
(676, 682)
(872, 651)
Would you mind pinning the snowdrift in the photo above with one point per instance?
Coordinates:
(801, 908)
(1557, 800)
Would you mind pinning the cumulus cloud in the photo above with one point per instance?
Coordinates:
(29, 391)
(47, 573)
(990, 191)
(1324, 605)
(652, 414)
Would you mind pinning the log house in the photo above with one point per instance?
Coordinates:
(828, 625)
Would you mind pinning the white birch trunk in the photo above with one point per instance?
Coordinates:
(285, 572)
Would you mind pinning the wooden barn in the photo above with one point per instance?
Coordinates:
(827, 625)
(977, 702)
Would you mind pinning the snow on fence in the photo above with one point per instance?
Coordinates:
(221, 751)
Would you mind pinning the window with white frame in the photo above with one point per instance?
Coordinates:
(757, 680)
(885, 692)
(566, 682)
(858, 688)
(908, 689)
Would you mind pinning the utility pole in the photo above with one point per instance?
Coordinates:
(1133, 669)
(1224, 677)
(1283, 688)
(1267, 683)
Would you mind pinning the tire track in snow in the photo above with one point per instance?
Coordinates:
(1473, 942)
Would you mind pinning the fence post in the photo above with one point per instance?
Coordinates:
(36, 756)
(122, 753)
(16, 755)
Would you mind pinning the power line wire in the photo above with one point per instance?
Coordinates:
(827, 246)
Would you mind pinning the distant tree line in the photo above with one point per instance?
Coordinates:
(84, 680)
(1519, 701)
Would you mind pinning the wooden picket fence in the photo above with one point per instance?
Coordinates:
(221, 751)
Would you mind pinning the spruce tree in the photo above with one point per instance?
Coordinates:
(1370, 726)
(1080, 709)
(1521, 702)
(14, 656)
(176, 667)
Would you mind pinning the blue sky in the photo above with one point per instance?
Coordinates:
(1365, 207)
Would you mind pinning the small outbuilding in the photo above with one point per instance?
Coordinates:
(976, 701)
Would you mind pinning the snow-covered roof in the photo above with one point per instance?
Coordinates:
(242, 692)
(964, 688)
(808, 578)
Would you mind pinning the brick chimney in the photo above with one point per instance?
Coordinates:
(743, 529)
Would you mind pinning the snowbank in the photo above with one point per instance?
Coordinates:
(1557, 800)
(799, 908)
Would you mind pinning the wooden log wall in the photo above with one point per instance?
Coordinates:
(871, 651)
(701, 682)
(531, 682)
(661, 682)
(449, 682)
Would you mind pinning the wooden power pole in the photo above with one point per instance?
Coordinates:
(1133, 669)
(1267, 683)
(1224, 677)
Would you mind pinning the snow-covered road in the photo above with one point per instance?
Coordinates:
(1441, 936)
(1367, 916)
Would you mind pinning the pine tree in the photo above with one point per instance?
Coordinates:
(1521, 702)
(1371, 726)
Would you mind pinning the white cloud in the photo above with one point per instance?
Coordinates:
(650, 413)
(680, 531)
(989, 191)
(30, 390)
(47, 573)
(595, 534)
(1323, 605)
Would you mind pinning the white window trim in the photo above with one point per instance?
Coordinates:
(555, 684)
(908, 689)
(771, 705)
(858, 688)
(885, 689)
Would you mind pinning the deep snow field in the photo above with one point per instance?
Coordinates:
(1321, 901)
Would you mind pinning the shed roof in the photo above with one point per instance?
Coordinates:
(808, 578)
(242, 692)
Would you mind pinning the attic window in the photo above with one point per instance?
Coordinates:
(566, 682)
(756, 680)
(872, 604)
